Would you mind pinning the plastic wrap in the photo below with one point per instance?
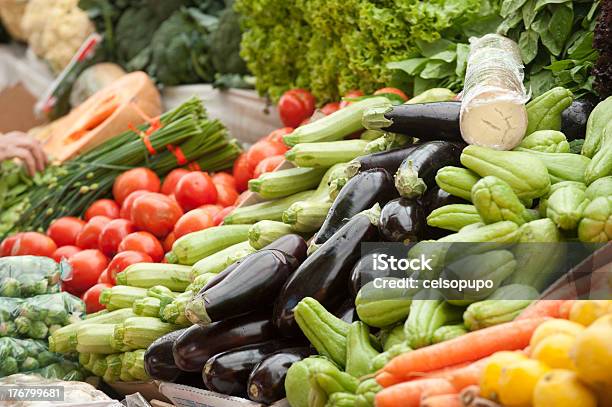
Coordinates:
(37, 317)
(493, 100)
(26, 276)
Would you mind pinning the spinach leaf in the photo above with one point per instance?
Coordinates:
(528, 45)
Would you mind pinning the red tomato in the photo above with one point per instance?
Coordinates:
(124, 259)
(88, 237)
(218, 218)
(192, 221)
(264, 149)
(34, 244)
(143, 242)
(102, 207)
(64, 230)
(329, 108)
(91, 298)
(64, 252)
(242, 173)
(278, 134)
(242, 197)
(395, 91)
(169, 242)
(172, 179)
(268, 165)
(126, 208)
(224, 178)
(134, 180)
(350, 95)
(156, 213)
(112, 235)
(226, 194)
(6, 247)
(105, 278)
(87, 266)
(211, 209)
(195, 189)
(294, 106)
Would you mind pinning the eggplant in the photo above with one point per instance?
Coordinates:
(574, 118)
(418, 171)
(358, 194)
(228, 372)
(253, 284)
(324, 275)
(402, 220)
(266, 382)
(364, 272)
(346, 311)
(436, 198)
(426, 121)
(388, 160)
(158, 360)
(198, 343)
(193, 379)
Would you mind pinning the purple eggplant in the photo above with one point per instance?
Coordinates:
(402, 220)
(158, 360)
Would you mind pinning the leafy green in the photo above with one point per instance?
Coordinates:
(603, 43)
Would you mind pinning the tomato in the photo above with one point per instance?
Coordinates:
(242, 172)
(218, 218)
(105, 278)
(395, 91)
(169, 242)
(268, 165)
(91, 298)
(226, 194)
(294, 106)
(112, 234)
(102, 207)
(6, 247)
(156, 213)
(33, 244)
(329, 108)
(195, 189)
(124, 259)
(64, 231)
(350, 95)
(126, 208)
(87, 265)
(242, 197)
(134, 180)
(88, 237)
(192, 221)
(224, 178)
(64, 252)
(143, 242)
(264, 149)
(172, 179)
(278, 134)
(211, 209)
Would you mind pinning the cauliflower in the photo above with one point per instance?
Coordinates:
(55, 30)
(11, 13)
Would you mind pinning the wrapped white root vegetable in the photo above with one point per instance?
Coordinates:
(493, 110)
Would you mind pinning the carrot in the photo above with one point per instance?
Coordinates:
(472, 346)
(565, 308)
(408, 394)
(543, 308)
(387, 379)
(461, 376)
(443, 400)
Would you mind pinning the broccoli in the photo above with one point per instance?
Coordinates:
(225, 44)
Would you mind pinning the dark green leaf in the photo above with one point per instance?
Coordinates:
(411, 66)
(510, 6)
(446, 56)
(582, 47)
(529, 13)
(541, 3)
(429, 49)
(560, 27)
(463, 51)
(437, 69)
(541, 83)
(509, 23)
(528, 45)
(421, 85)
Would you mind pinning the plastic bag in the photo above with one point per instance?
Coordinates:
(37, 317)
(26, 276)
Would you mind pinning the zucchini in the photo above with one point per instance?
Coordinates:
(147, 307)
(544, 112)
(600, 187)
(97, 338)
(448, 332)
(453, 217)
(146, 275)
(121, 296)
(596, 224)
(387, 142)
(562, 166)
(278, 184)
(457, 181)
(335, 126)
(307, 216)
(546, 141)
(525, 174)
(139, 332)
(193, 247)
(597, 125)
(601, 164)
(270, 210)
(265, 232)
(565, 206)
(326, 154)
(217, 262)
(495, 201)
(425, 317)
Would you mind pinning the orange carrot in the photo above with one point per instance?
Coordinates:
(443, 400)
(387, 379)
(408, 394)
(461, 376)
(543, 308)
(565, 308)
(472, 346)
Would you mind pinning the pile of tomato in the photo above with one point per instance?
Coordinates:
(139, 225)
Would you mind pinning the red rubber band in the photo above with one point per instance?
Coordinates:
(178, 153)
(144, 137)
(193, 166)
